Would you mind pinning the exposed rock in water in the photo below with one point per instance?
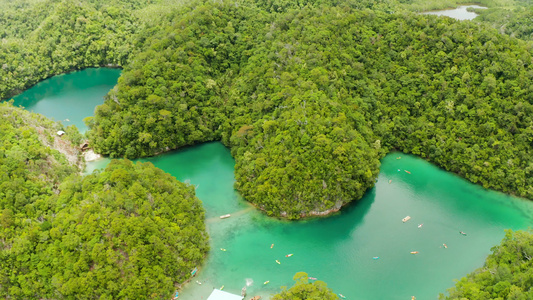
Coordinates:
(90, 155)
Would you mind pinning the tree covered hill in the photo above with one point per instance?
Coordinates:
(128, 232)
(309, 99)
(307, 94)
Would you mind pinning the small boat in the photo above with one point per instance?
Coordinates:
(225, 216)
(406, 219)
(266, 282)
(289, 255)
(462, 233)
(198, 282)
(278, 262)
(221, 288)
(375, 257)
(271, 246)
(312, 278)
(342, 296)
(222, 249)
(414, 252)
(407, 172)
(445, 246)
(420, 225)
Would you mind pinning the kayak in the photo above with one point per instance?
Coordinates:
(271, 246)
(414, 252)
(266, 282)
(289, 255)
(278, 262)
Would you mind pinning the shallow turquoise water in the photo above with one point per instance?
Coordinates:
(339, 249)
(70, 98)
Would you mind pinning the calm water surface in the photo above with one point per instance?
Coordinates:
(70, 98)
(459, 13)
(340, 249)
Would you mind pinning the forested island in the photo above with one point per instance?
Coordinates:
(308, 95)
(128, 232)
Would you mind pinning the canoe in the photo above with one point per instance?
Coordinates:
(225, 216)
(406, 219)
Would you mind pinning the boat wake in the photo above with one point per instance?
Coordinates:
(249, 281)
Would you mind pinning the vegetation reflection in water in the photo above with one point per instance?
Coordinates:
(340, 249)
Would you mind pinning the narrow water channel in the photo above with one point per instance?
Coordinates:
(340, 249)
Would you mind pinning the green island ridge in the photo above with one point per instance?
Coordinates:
(128, 232)
(308, 95)
(309, 100)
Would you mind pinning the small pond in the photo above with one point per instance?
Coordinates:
(459, 13)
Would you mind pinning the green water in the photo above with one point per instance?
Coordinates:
(70, 98)
(339, 249)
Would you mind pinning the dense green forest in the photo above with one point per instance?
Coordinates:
(307, 94)
(130, 231)
(310, 99)
(507, 273)
(42, 38)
